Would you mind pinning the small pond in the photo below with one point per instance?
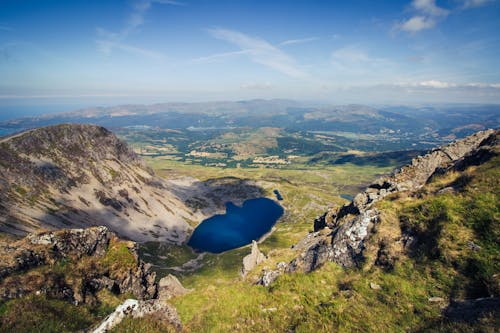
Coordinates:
(238, 227)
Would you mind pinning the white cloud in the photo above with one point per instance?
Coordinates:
(426, 17)
(483, 85)
(417, 23)
(475, 3)
(259, 51)
(298, 41)
(436, 84)
(429, 7)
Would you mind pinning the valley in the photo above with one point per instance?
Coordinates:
(155, 185)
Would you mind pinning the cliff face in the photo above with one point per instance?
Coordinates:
(340, 235)
(83, 175)
(73, 265)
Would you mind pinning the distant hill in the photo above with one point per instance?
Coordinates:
(457, 120)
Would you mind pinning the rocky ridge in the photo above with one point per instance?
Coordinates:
(73, 265)
(76, 176)
(339, 235)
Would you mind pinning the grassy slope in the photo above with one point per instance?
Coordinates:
(331, 299)
(307, 190)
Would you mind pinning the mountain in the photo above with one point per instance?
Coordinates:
(416, 251)
(72, 175)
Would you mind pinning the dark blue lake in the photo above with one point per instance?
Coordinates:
(238, 227)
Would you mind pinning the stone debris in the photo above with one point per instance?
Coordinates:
(138, 309)
(169, 287)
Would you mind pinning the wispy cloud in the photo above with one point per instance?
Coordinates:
(475, 3)
(219, 56)
(438, 84)
(417, 23)
(429, 7)
(259, 51)
(354, 64)
(427, 14)
(116, 40)
(298, 41)
(107, 46)
(353, 57)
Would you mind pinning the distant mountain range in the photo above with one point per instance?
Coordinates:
(290, 115)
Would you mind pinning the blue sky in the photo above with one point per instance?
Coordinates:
(140, 51)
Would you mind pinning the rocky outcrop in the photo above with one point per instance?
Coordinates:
(253, 259)
(270, 275)
(169, 286)
(138, 309)
(87, 260)
(419, 172)
(48, 247)
(340, 234)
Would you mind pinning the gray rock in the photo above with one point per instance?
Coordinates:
(169, 287)
(269, 276)
(252, 260)
(138, 309)
(436, 299)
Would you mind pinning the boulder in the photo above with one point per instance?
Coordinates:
(169, 287)
(138, 309)
(252, 260)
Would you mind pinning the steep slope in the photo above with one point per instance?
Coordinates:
(348, 227)
(82, 175)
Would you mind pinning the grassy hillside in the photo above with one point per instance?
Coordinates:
(455, 256)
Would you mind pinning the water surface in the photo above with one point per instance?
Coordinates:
(238, 227)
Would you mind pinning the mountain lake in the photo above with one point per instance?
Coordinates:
(238, 227)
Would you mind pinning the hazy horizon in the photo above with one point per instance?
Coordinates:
(87, 53)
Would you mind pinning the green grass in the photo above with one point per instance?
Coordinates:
(119, 257)
(39, 314)
(149, 324)
(334, 299)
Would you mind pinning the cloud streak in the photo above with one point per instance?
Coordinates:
(437, 84)
(259, 51)
(475, 3)
(298, 41)
(111, 40)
